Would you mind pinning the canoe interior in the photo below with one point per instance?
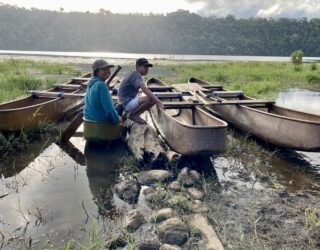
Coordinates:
(191, 116)
(24, 102)
(268, 108)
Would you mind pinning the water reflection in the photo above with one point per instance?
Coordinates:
(301, 100)
(103, 163)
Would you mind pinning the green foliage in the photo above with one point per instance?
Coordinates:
(180, 32)
(260, 80)
(296, 57)
(18, 76)
(313, 66)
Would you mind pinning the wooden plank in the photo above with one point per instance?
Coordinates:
(160, 88)
(168, 95)
(180, 105)
(68, 86)
(55, 94)
(83, 79)
(240, 102)
(211, 86)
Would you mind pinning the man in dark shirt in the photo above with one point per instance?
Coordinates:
(129, 88)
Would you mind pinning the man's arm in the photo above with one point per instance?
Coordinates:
(147, 91)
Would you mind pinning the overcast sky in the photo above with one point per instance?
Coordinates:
(238, 8)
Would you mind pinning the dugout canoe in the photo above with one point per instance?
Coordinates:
(277, 125)
(28, 112)
(188, 130)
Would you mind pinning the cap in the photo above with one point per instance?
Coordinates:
(100, 64)
(143, 62)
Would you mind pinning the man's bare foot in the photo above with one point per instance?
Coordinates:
(137, 119)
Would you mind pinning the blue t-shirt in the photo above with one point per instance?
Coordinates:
(98, 104)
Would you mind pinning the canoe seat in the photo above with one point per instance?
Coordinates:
(67, 86)
(168, 95)
(231, 94)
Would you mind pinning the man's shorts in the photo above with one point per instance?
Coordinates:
(132, 104)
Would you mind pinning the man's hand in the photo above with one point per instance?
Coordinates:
(160, 105)
(120, 118)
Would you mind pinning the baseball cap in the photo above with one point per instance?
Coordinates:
(100, 64)
(143, 62)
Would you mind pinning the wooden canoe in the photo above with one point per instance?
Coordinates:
(280, 126)
(29, 112)
(189, 131)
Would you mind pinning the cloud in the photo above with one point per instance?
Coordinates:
(260, 8)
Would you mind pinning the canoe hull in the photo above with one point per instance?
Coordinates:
(32, 116)
(188, 139)
(279, 130)
(30, 112)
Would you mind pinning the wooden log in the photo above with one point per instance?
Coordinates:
(145, 145)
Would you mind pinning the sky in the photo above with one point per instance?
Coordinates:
(237, 8)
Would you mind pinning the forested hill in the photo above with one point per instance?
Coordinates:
(179, 32)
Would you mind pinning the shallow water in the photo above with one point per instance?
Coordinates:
(300, 99)
(115, 55)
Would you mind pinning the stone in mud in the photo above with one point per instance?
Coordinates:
(197, 206)
(174, 186)
(169, 247)
(149, 244)
(128, 191)
(200, 224)
(154, 195)
(195, 193)
(173, 231)
(154, 176)
(162, 215)
(117, 242)
(179, 201)
(189, 178)
(134, 220)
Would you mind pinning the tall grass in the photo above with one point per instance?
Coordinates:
(257, 79)
(17, 76)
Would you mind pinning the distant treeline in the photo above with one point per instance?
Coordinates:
(179, 32)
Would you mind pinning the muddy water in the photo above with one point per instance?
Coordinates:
(60, 194)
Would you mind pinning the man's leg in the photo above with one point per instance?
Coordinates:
(145, 103)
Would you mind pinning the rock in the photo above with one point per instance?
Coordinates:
(169, 247)
(154, 195)
(195, 193)
(162, 215)
(134, 219)
(154, 176)
(197, 206)
(119, 241)
(174, 186)
(199, 224)
(179, 200)
(189, 178)
(173, 231)
(149, 244)
(128, 191)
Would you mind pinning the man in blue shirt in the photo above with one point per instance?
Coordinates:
(129, 88)
(98, 104)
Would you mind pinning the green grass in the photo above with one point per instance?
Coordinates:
(17, 76)
(256, 79)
